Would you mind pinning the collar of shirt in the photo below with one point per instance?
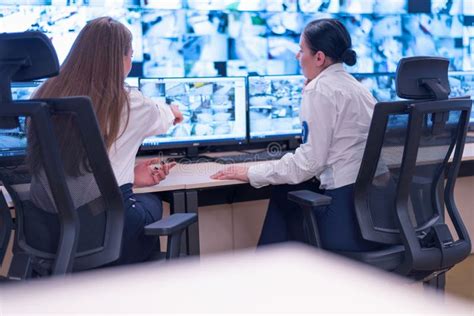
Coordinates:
(337, 67)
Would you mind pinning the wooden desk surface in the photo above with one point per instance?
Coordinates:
(392, 155)
(193, 176)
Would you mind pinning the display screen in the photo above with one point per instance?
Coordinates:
(62, 24)
(202, 38)
(214, 110)
(462, 84)
(274, 106)
(13, 140)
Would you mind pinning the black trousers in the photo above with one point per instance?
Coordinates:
(337, 223)
(140, 210)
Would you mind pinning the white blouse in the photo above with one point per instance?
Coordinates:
(336, 111)
(147, 118)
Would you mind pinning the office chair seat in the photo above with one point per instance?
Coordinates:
(387, 259)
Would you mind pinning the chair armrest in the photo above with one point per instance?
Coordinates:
(172, 224)
(309, 198)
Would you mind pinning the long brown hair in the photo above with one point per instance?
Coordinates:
(94, 67)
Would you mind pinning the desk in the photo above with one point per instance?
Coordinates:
(232, 226)
(196, 176)
(223, 226)
(192, 176)
(186, 180)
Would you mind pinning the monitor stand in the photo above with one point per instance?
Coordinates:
(293, 143)
(192, 156)
(192, 152)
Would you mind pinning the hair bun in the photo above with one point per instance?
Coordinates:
(349, 57)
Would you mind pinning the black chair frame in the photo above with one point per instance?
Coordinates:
(424, 252)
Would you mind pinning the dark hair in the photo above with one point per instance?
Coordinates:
(332, 38)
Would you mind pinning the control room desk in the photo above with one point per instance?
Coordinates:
(231, 212)
(223, 204)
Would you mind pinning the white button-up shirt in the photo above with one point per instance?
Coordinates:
(336, 111)
(147, 118)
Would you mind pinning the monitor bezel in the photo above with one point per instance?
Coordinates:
(203, 143)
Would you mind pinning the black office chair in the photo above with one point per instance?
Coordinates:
(406, 179)
(69, 209)
(6, 226)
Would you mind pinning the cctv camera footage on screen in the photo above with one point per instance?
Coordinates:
(196, 38)
(228, 38)
(214, 110)
(274, 103)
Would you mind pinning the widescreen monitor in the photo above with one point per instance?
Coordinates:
(13, 140)
(381, 85)
(24, 90)
(274, 103)
(197, 38)
(462, 84)
(214, 110)
(62, 24)
(274, 106)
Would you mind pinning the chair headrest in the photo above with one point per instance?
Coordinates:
(33, 52)
(422, 78)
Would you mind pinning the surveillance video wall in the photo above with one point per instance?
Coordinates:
(195, 38)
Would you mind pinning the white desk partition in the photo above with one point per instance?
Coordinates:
(288, 279)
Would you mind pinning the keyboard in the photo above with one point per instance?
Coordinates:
(186, 160)
(249, 157)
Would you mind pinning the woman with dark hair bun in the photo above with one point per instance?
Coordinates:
(336, 111)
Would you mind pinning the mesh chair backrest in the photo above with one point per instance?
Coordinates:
(375, 188)
(377, 191)
(437, 132)
(89, 187)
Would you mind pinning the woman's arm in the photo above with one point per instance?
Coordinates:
(151, 172)
(309, 160)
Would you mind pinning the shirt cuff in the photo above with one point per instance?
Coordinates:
(258, 174)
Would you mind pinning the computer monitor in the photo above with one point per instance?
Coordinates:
(132, 82)
(13, 140)
(462, 84)
(274, 104)
(214, 110)
(381, 85)
(24, 90)
(62, 23)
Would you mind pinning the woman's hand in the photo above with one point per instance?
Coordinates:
(151, 172)
(233, 172)
(178, 116)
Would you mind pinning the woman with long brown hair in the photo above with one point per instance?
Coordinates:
(97, 65)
